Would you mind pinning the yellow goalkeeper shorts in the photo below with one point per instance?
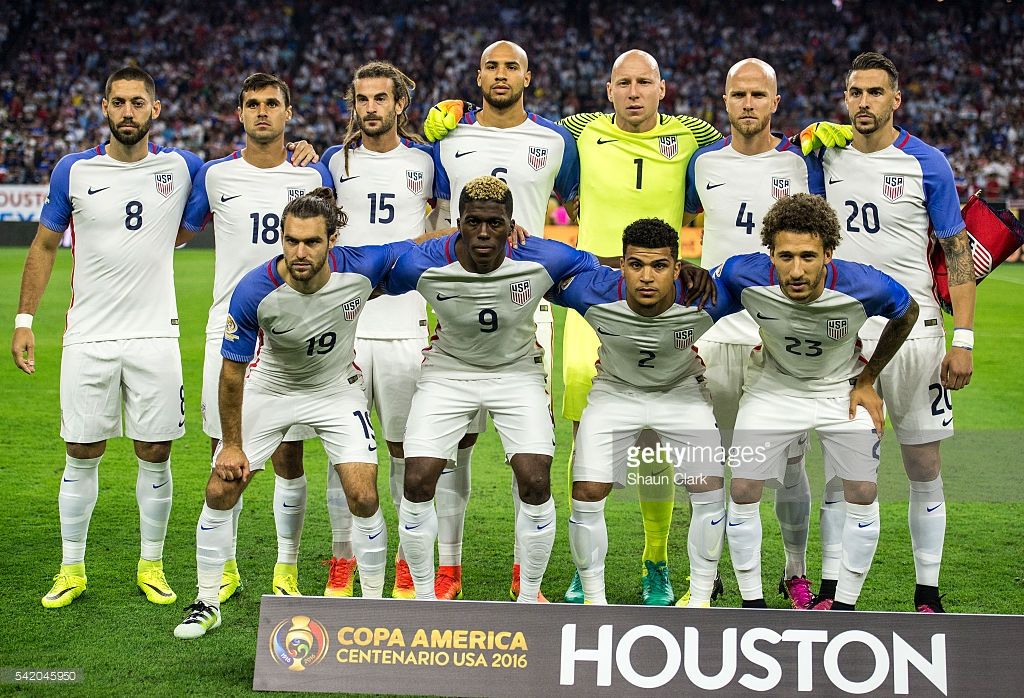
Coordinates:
(579, 359)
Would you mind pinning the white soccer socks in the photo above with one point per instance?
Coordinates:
(79, 487)
(535, 533)
(832, 519)
(153, 489)
(370, 543)
(452, 497)
(417, 530)
(744, 533)
(588, 541)
(704, 543)
(340, 516)
(860, 539)
(793, 509)
(213, 541)
(927, 519)
(236, 515)
(289, 515)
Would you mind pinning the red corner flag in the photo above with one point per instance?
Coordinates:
(993, 235)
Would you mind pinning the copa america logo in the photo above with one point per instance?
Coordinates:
(298, 643)
(164, 183)
(414, 181)
(538, 157)
(669, 146)
(892, 187)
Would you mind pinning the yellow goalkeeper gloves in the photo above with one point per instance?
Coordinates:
(825, 134)
(443, 117)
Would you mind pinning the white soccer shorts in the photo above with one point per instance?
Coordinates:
(210, 407)
(390, 369)
(615, 415)
(339, 418)
(768, 424)
(143, 374)
(443, 408)
(919, 408)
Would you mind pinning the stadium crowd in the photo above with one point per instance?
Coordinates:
(963, 68)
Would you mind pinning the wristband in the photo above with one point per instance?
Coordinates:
(963, 338)
(23, 320)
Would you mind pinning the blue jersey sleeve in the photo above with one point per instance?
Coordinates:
(725, 302)
(328, 156)
(940, 195)
(409, 267)
(815, 174)
(442, 185)
(56, 213)
(588, 288)
(559, 259)
(326, 178)
(197, 210)
(372, 261)
(192, 161)
(877, 291)
(242, 327)
(692, 203)
(743, 271)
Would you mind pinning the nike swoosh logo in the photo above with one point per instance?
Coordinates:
(864, 525)
(181, 423)
(459, 155)
(607, 334)
(731, 524)
(446, 471)
(97, 191)
(225, 199)
(66, 480)
(667, 467)
(206, 528)
(711, 186)
(375, 535)
(372, 448)
(833, 181)
(445, 298)
(342, 180)
(412, 528)
(575, 523)
(290, 506)
(159, 591)
(835, 502)
(273, 331)
(602, 141)
(947, 422)
(284, 592)
(931, 509)
(156, 487)
(765, 317)
(541, 528)
(715, 523)
(59, 594)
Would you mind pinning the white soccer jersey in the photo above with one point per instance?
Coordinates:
(124, 218)
(651, 353)
(245, 202)
(885, 201)
(535, 158)
(735, 191)
(385, 196)
(808, 348)
(298, 341)
(485, 322)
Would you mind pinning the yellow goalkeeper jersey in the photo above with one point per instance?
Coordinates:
(625, 176)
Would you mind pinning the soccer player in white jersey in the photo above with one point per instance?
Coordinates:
(243, 194)
(888, 187)
(649, 377)
(809, 308)
(288, 359)
(123, 200)
(483, 357)
(535, 157)
(734, 181)
(385, 182)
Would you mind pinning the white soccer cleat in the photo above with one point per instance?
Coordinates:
(200, 618)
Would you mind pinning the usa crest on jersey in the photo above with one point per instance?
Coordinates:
(414, 181)
(351, 308)
(521, 292)
(538, 157)
(164, 183)
(294, 193)
(683, 338)
(780, 187)
(669, 146)
(892, 187)
(837, 329)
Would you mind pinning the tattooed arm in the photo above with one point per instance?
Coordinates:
(958, 365)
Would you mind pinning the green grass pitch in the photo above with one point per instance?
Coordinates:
(120, 640)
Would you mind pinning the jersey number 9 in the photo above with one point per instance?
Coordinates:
(488, 320)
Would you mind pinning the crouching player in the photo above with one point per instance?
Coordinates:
(296, 316)
(809, 373)
(649, 376)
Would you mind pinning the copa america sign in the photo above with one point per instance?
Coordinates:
(474, 648)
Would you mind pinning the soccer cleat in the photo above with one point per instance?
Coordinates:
(797, 590)
(821, 603)
(230, 581)
(656, 587)
(404, 587)
(934, 606)
(150, 578)
(286, 580)
(200, 618)
(513, 590)
(716, 590)
(574, 594)
(448, 583)
(68, 585)
(341, 578)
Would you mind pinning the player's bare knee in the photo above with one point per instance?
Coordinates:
(396, 449)
(86, 451)
(419, 484)
(704, 483)
(744, 491)
(153, 451)
(222, 494)
(586, 491)
(287, 460)
(859, 491)
(363, 500)
(922, 461)
(468, 441)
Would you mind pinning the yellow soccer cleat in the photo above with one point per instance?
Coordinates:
(286, 580)
(404, 587)
(151, 580)
(442, 118)
(825, 134)
(230, 581)
(68, 585)
(341, 577)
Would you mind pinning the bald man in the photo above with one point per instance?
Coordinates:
(534, 157)
(734, 182)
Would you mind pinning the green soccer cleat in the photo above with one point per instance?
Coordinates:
(574, 594)
(656, 587)
(68, 585)
(151, 580)
(286, 580)
(200, 618)
(230, 581)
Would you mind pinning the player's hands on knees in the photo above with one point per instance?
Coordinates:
(23, 349)
(232, 465)
(443, 117)
(697, 285)
(864, 395)
(957, 368)
(302, 153)
(518, 236)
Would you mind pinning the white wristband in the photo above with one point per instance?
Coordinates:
(963, 338)
(23, 320)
